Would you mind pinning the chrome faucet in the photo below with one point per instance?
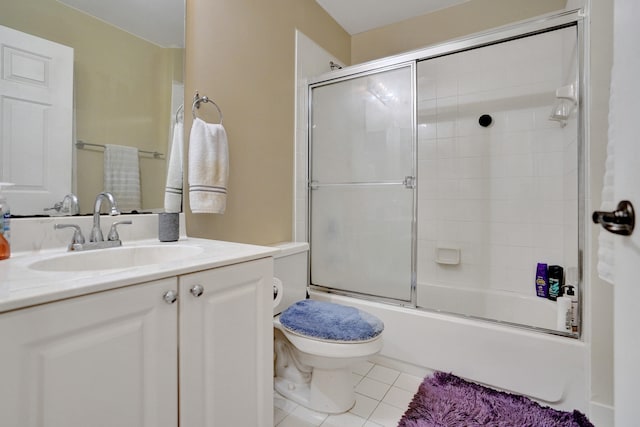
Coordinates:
(68, 206)
(96, 232)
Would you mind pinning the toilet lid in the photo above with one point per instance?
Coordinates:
(329, 321)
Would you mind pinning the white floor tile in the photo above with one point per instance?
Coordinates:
(283, 403)
(344, 420)
(355, 379)
(279, 415)
(386, 415)
(364, 406)
(293, 421)
(382, 396)
(312, 417)
(383, 374)
(362, 368)
(398, 397)
(372, 388)
(408, 382)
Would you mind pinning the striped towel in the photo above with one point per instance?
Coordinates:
(122, 176)
(208, 167)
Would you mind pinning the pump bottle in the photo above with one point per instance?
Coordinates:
(5, 227)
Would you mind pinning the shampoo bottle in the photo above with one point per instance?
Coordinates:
(5, 227)
(542, 282)
(571, 291)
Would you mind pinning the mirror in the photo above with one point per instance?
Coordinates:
(127, 86)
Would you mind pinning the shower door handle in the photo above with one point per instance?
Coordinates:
(621, 221)
(409, 182)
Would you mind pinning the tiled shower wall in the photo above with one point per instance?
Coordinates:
(505, 195)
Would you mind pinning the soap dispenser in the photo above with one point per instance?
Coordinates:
(5, 228)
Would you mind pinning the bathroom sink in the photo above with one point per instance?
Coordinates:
(116, 258)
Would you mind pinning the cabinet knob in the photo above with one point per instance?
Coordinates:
(170, 297)
(197, 290)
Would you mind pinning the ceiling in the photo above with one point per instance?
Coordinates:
(158, 21)
(162, 21)
(356, 16)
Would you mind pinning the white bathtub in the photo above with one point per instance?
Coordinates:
(490, 304)
(548, 368)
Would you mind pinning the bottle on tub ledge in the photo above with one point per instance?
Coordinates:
(571, 292)
(556, 281)
(542, 281)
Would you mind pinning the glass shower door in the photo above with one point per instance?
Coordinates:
(362, 169)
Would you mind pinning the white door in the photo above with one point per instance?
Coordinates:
(226, 346)
(102, 360)
(36, 120)
(625, 114)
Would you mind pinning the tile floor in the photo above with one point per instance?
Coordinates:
(382, 396)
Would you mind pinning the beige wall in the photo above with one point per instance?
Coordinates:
(241, 53)
(122, 90)
(446, 24)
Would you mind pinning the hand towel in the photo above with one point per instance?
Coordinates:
(208, 167)
(173, 188)
(122, 176)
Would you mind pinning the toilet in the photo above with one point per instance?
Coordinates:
(316, 343)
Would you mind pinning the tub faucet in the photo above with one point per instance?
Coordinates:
(96, 232)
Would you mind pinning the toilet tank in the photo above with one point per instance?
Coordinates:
(290, 267)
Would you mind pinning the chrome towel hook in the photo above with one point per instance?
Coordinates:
(196, 104)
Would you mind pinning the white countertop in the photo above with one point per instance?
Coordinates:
(22, 286)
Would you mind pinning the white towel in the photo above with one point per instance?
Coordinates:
(173, 189)
(122, 176)
(208, 167)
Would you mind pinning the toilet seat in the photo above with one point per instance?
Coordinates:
(330, 322)
(331, 349)
(370, 342)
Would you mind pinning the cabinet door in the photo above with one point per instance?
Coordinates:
(106, 359)
(226, 346)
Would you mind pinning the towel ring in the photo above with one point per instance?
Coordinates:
(196, 104)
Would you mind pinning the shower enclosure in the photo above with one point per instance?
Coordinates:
(439, 179)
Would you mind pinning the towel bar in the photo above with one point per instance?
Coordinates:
(81, 144)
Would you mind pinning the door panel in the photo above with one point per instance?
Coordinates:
(36, 116)
(107, 359)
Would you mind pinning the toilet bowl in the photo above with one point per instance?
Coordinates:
(316, 343)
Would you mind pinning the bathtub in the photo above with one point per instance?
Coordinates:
(550, 369)
(504, 306)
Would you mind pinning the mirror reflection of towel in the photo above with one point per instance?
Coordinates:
(122, 176)
(208, 167)
(173, 188)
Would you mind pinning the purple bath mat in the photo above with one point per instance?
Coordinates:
(444, 400)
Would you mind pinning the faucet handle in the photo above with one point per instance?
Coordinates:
(78, 238)
(113, 231)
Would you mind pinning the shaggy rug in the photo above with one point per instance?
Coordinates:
(444, 400)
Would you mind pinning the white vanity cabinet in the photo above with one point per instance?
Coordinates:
(193, 350)
(226, 346)
(104, 359)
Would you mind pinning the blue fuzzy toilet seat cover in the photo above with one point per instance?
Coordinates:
(331, 322)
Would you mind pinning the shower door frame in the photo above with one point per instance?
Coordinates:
(502, 34)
